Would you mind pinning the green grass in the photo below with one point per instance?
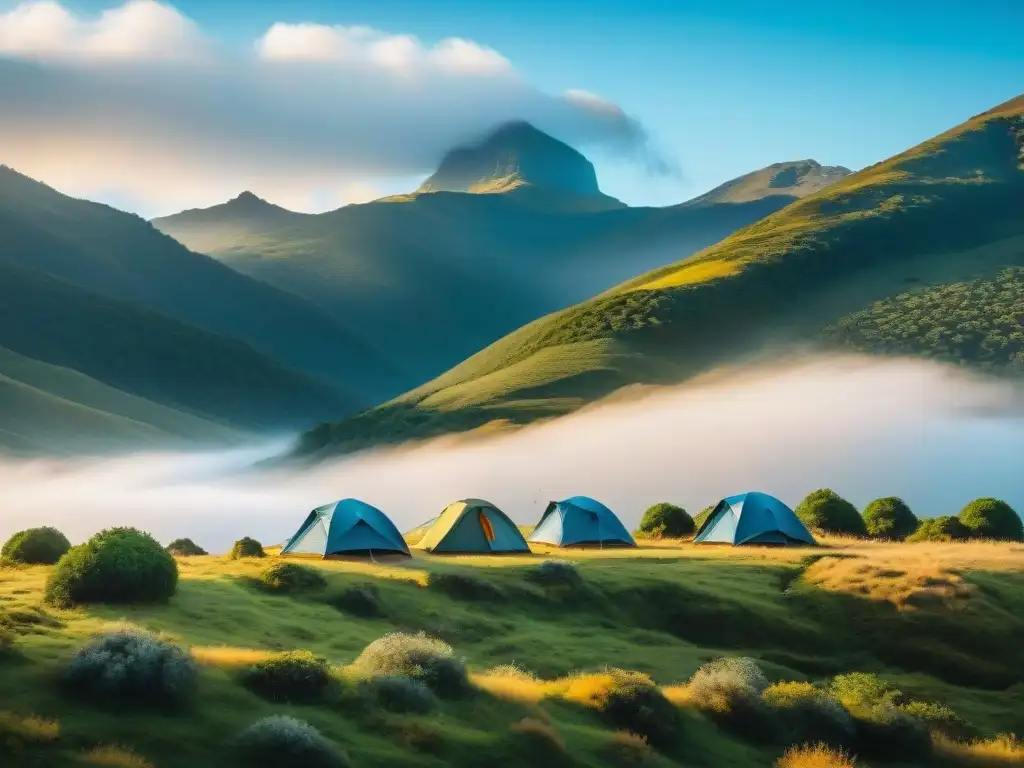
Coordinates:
(944, 212)
(661, 611)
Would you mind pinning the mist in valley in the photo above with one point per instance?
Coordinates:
(865, 427)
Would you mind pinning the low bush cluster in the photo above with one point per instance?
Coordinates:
(633, 703)
(825, 510)
(555, 573)
(35, 546)
(418, 657)
(129, 667)
(397, 693)
(665, 521)
(360, 600)
(282, 576)
(539, 743)
(730, 691)
(296, 677)
(940, 529)
(815, 756)
(279, 741)
(884, 729)
(810, 714)
(464, 586)
(117, 565)
(246, 547)
(185, 548)
(889, 518)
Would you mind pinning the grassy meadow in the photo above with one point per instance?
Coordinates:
(941, 622)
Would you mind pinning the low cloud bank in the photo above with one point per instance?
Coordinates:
(872, 428)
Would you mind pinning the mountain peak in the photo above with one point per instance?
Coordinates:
(795, 178)
(512, 155)
(248, 200)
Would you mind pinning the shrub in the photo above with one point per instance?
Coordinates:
(132, 667)
(246, 547)
(889, 518)
(555, 573)
(886, 733)
(702, 517)
(827, 511)
(359, 601)
(464, 586)
(729, 690)
(937, 717)
(635, 704)
(118, 565)
(538, 743)
(811, 714)
(940, 529)
(185, 548)
(36, 546)
(416, 656)
(665, 521)
(279, 741)
(397, 693)
(859, 690)
(625, 749)
(114, 757)
(297, 677)
(992, 519)
(815, 756)
(291, 577)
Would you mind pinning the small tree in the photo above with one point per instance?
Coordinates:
(889, 518)
(246, 547)
(665, 521)
(825, 510)
(992, 519)
(36, 546)
(185, 548)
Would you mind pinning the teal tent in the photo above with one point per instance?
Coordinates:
(581, 522)
(345, 528)
(753, 518)
(471, 526)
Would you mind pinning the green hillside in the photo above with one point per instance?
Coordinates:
(53, 410)
(122, 256)
(943, 212)
(141, 353)
(432, 277)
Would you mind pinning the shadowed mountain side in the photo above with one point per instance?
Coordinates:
(121, 256)
(153, 356)
(942, 212)
(54, 410)
(431, 278)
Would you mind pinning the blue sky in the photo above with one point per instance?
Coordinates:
(722, 87)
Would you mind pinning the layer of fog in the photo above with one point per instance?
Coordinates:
(865, 428)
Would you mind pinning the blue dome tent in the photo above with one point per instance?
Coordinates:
(346, 528)
(581, 522)
(753, 518)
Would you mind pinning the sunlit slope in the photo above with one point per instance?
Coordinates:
(54, 410)
(942, 212)
(149, 355)
(430, 278)
(121, 256)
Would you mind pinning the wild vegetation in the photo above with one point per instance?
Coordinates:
(864, 653)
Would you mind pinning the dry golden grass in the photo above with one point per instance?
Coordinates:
(815, 756)
(115, 757)
(906, 582)
(29, 729)
(226, 656)
(991, 753)
(521, 689)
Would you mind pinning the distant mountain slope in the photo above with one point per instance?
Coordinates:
(430, 278)
(793, 179)
(946, 211)
(149, 355)
(48, 409)
(121, 256)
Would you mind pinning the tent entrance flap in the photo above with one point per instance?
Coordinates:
(485, 524)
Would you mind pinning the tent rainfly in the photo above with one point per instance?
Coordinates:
(346, 528)
(581, 522)
(753, 518)
(472, 526)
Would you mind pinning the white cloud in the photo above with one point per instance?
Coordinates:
(139, 29)
(137, 104)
